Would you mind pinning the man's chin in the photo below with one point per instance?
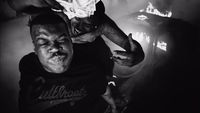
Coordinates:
(57, 70)
(57, 60)
(57, 65)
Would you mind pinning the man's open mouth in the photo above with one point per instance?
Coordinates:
(76, 32)
(58, 59)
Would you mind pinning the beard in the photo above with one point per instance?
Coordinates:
(59, 63)
(58, 60)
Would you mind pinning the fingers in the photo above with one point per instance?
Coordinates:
(114, 110)
(130, 35)
(53, 4)
(78, 41)
(122, 54)
(126, 58)
(123, 58)
(132, 45)
(88, 37)
(120, 61)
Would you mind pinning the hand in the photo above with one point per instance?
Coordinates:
(85, 38)
(53, 4)
(114, 110)
(125, 58)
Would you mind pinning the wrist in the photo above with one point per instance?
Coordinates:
(99, 30)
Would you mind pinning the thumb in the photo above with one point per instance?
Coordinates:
(132, 45)
(130, 35)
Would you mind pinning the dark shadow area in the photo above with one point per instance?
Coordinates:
(173, 86)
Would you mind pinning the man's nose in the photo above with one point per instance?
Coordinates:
(54, 48)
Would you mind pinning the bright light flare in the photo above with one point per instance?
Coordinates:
(112, 82)
(162, 45)
(141, 36)
(152, 10)
(145, 39)
(142, 17)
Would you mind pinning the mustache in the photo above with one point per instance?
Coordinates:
(59, 53)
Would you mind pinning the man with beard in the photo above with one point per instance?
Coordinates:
(96, 53)
(88, 22)
(58, 77)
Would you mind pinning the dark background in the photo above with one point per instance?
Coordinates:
(166, 81)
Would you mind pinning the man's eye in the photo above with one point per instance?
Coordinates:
(62, 40)
(42, 42)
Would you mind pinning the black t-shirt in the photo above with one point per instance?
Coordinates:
(78, 90)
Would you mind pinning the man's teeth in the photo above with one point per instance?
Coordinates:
(77, 31)
(57, 59)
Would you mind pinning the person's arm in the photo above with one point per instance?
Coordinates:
(134, 51)
(110, 29)
(108, 98)
(21, 5)
(33, 6)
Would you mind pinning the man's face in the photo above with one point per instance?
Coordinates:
(53, 46)
(80, 26)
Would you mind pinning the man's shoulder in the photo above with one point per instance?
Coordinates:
(28, 58)
(28, 61)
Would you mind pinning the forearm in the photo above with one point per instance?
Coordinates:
(109, 28)
(20, 5)
(108, 98)
(115, 34)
